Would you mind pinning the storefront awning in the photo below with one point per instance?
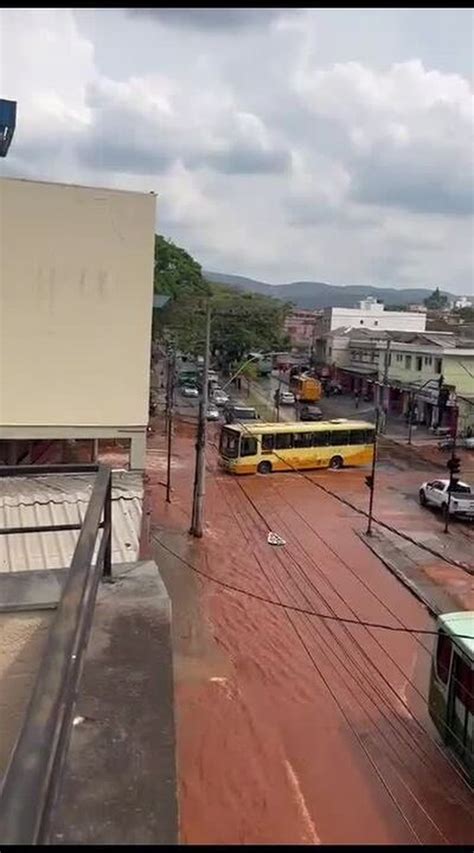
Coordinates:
(363, 370)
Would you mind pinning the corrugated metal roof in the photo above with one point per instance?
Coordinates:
(63, 499)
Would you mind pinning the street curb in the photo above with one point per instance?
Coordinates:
(401, 576)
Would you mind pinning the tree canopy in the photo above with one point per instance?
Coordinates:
(241, 321)
(436, 300)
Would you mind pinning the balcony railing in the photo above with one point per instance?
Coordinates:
(32, 780)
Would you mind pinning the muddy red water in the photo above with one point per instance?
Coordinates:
(293, 728)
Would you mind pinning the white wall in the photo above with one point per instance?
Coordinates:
(76, 287)
(405, 321)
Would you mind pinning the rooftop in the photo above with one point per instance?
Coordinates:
(62, 499)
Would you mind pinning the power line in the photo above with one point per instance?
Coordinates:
(295, 608)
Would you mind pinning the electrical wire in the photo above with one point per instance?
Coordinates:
(308, 612)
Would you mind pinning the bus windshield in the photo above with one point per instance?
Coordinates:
(229, 443)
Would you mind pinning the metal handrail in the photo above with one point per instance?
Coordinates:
(31, 783)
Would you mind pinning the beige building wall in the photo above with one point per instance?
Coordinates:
(76, 290)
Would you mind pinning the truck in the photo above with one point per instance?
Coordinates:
(436, 493)
(307, 389)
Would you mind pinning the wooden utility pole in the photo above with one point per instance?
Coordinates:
(200, 470)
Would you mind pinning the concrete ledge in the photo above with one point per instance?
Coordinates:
(119, 784)
(36, 590)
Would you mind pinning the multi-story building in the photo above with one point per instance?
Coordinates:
(430, 369)
(76, 283)
(302, 326)
(372, 315)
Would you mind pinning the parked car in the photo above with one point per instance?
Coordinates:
(287, 398)
(212, 413)
(311, 413)
(235, 414)
(189, 391)
(448, 443)
(436, 493)
(219, 397)
(333, 388)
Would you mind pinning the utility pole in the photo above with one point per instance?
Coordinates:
(385, 385)
(200, 471)
(370, 480)
(169, 422)
(410, 416)
(277, 398)
(454, 465)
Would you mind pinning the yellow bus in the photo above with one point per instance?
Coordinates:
(451, 696)
(267, 447)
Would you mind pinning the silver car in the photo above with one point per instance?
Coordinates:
(219, 397)
(189, 391)
(212, 413)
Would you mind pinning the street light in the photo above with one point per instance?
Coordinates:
(242, 367)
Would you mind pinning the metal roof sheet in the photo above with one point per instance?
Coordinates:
(63, 499)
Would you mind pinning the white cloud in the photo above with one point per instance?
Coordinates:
(282, 146)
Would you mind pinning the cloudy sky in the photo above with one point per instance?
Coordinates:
(331, 145)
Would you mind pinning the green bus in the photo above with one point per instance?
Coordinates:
(451, 694)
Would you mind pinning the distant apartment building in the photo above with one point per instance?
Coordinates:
(301, 327)
(371, 314)
(76, 295)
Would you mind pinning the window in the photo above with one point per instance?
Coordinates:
(361, 322)
(389, 360)
(419, 362)
(303, 439)
(339, 436)
(408, 362)
(320, 439)
(376, 322)
(229, 444)
(284, 441)
(438, 365)
(248, 446)
(268, 442)
(428, 361)
(464, 683)
(361, 436)
(399, 356)
(443, 657)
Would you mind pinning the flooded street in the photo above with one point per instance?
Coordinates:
(294, 728)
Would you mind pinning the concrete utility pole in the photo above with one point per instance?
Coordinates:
(169, 424)
(454, 465)
(200, 471)
(384, 401)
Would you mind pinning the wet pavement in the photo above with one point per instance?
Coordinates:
(293, 728)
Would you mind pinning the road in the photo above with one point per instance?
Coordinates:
(294, 728)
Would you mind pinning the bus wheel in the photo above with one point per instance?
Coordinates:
(336, 462)
(265, 468)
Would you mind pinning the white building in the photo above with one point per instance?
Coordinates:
(372, 315)
(76, 291)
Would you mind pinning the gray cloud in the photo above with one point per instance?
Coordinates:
(209, 18)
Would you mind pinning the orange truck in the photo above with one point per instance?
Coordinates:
(307, 389)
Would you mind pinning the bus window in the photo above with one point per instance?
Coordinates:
(267, 443)
(284, 441)
(443, 657)
(248, 446)
(320, 439)
(463, 688)
(340, 436)
(358, 436)
(303, 439)
(229, 444)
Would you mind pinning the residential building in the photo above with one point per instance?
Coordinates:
(301, 326)
(372, 315)
(76, 283)
(434, 370)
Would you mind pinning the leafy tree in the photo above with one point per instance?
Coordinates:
(241, 322)
(436, 300)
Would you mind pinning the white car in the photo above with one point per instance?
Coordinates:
(436, 493)
(189, 391)
(219, 397)
(287, 398)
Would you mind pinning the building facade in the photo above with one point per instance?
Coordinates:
(302, 326)
(371, 314)
(76, 282)
(432, 372)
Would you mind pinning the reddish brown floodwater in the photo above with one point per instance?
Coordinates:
(291, 728)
